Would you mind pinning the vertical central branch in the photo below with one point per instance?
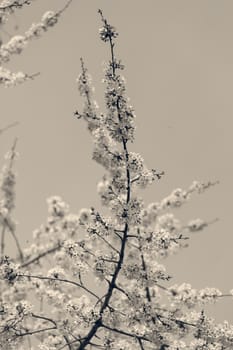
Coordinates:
(112, 283)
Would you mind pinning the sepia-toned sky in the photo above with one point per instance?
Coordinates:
(179, 72)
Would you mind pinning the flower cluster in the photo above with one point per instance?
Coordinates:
(57, 208)
(185, 295)
(18, 43)
(175, 200)
(196, 225)
(90, 107)
(7, 183)
(7, 78)
(107, 32)
(8, 270)
(130, 304)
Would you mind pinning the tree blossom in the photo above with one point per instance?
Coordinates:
(196, 225)
(134, 304)
(18, 43)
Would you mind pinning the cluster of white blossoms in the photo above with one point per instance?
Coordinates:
(57, 208)
(98, 277)
(7, 200)
(18, 43)
(185, 295)
(8, 78)
(7, 187)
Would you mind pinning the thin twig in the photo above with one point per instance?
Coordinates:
(8, 127)
(60, 280)
(41, 255)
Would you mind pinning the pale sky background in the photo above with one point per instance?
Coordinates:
(179, 71)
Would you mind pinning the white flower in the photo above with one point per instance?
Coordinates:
(24, 307)
(35, 31)
(3, 211)
(209, 294)
(135, 162)
(107, 32)
(14, 46)
(175, 199)
(49, 19)
(201, 186)
(11, 155)
(56, 272)
(168, 222)
(84, 216)
(57, 207)
(196, 225)
(184, 294)
(7, 78)
(71, 248)
(77, 305)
